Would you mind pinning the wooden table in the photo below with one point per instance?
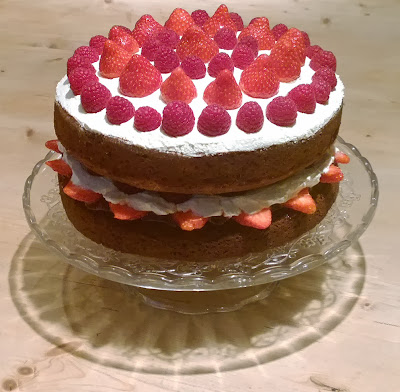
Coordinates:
(336, 328)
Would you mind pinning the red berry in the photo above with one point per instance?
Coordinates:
(261, 32)
(261, 21)
(218, 63)
(306, 39)
(326, 74)
(151, 47)
(125, 212)
(178, 87)
(286, 68)
(194, 67)
(127, 42)
(323, 58)
(178, 119)
(218, 21)
(311, 51)
(117, 31)
(147, 119)
(166, 60)
(282, 111)
(225, 38)
(304, 98)
(94, 97)
(145, 27)
(189, 221)
(290, 47)
(200, 17)
(341, 157)
(278, 30)
(61, 167)
(119, 110)
(237, 19)
(79, 77)
(53, 145)
(322, 89)
(302, 202)
(179, 21)
(250, 117)
(113, 60)
(260, 220)
(334, 174)
(78, 61)
(242, 56)
(168, 38)
(97, 43)
(81, 194)
(251, 42)
(214, 120)
(88, 52)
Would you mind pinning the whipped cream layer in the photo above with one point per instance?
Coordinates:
(203, 205)
(195, 144)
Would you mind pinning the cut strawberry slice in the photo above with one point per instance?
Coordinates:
(53, 145)
(60, 167)
(341, 157)
(334, 174)
(260, 220)
(189, 221)
(302, 202)
(81, 194)
(124, 212)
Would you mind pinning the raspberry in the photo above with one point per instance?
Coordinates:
(194, 67)
(282, 111)
(200, 17)
(166, 60)
(250, 117)
(168, 38)
(242, 56)
(214, 120)
(78, 61)
(237, 19)
(94, 97)
(326, 74)
(119, 110)
(251, 42)
(178, 119)
(304, 98)
(323, 58)
(97, 43)
(225, 38)
(322, 89)
(78, 77)
(88, 52)
(278, 30)
(218, 63)
(150, 48)
(147, 119)
(311, 51)
(306, 39)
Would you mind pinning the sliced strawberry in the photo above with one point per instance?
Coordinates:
(124, 212)
(146, 27)
(53, 145)
(81, 194)
(260, 220)
(179, 21)
(189, 221)
(334, 174)
(61, 167)
(302, 202)
(113, 60)
(341, 157)
(178, 87)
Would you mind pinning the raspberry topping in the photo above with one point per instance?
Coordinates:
(323, 58)
(179, 21)
(200, 17)
(97, 43)
(242, 56)
(166, 60)
(218, 63)
(88, 52)
(94, 97)
(304, 98)
(322, 89)
(311, 51)
(238, 20)
(326, 74)
(282, 111)
(194, 67)
(178, 119)
(147, 119)
(250, 117)
(168, 38)
(278, 30)
(306, 39)
(150, 48)
(214, 120)
(119, 110)
(225, 38)
(145, 27)
(79, 77)
(251, 42)
(178, 87)
(113, 60)
(78, 61)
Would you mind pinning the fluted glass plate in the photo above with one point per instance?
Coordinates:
(347, 220)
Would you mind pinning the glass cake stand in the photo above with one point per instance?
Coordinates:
(201, 287)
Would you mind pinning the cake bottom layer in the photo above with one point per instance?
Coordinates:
(213, 242)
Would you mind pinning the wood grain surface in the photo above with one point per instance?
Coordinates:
(333, 329)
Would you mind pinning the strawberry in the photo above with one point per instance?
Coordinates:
(341, 157)
(61, 167)
(139, 78)
(222, 9)
(285, 67)
(292, 44)
(260, 220)
(188, 220)
(219, 20)
(261, 32)
(334, 174)
(224, 91)
(195, 42)
(118, 31)
(145, 28)
(258, 80)
(53, 145)
(127, 42)
(261, 21)
(124, 212)
(113, 60)
(285, 52)
(179, 21)
(81, 194)
(178, 87)
(302, 202)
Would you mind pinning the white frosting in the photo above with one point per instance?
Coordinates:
(203, 205)
(195, 144)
